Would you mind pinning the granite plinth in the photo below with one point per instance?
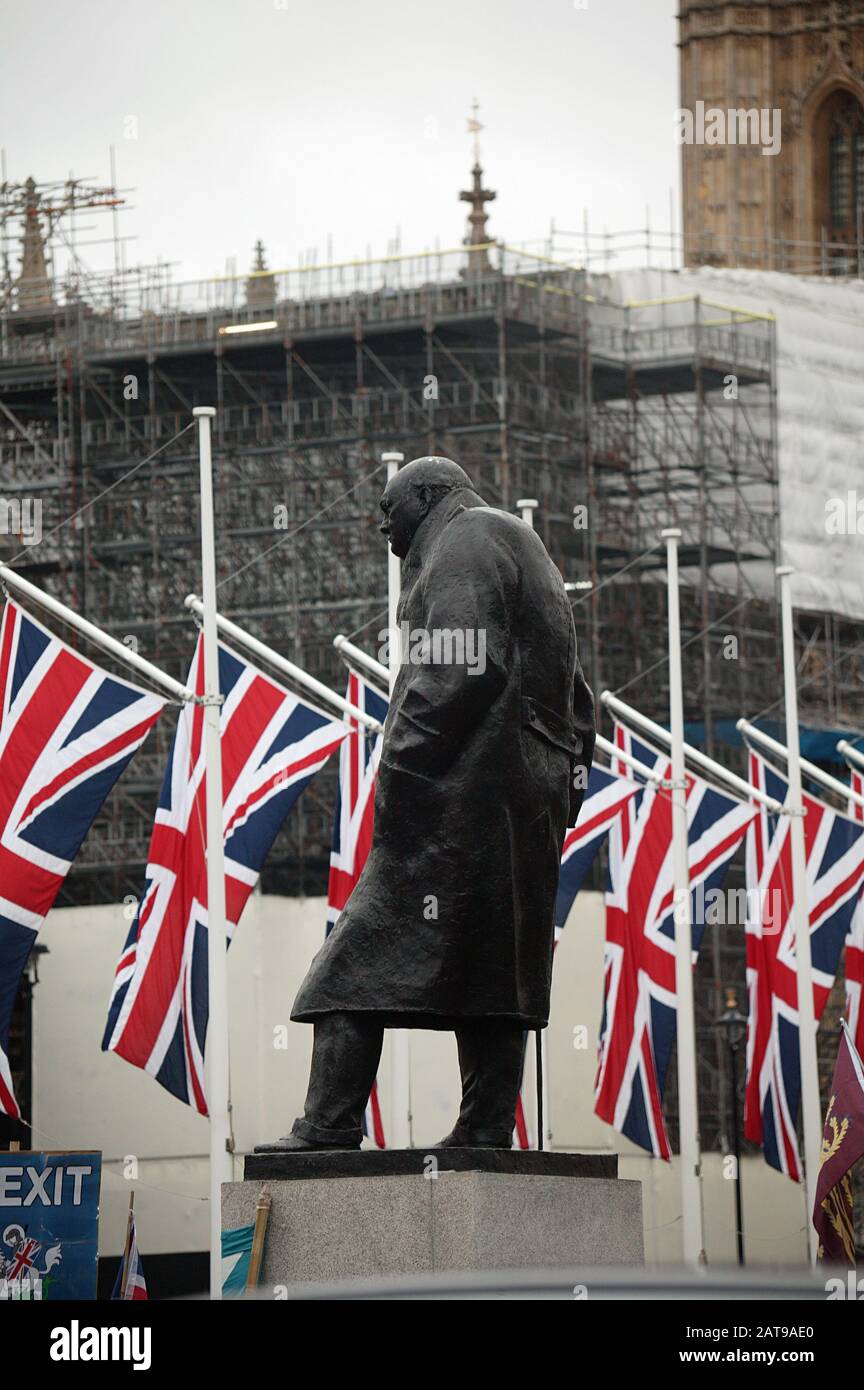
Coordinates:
(361, 1215)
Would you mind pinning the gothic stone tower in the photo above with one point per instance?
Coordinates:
(805, 61)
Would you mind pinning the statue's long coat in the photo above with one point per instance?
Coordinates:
(453, 914)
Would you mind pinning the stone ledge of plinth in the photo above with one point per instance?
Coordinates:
(363, 1163)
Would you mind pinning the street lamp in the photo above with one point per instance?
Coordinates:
(734, 1026)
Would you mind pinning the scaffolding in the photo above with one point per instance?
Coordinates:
(658, 247)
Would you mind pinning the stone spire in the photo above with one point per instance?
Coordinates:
(33, 285)
(260, 287)
(477, 196)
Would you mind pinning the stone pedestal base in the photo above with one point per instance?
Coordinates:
(362, 1215)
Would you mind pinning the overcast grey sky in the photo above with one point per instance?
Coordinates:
(295, 119)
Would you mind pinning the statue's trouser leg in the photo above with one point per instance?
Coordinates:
(345, 1056)
(490, 1060)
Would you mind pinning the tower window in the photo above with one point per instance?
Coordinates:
(859, 168)
(838, 162)
(840, 178)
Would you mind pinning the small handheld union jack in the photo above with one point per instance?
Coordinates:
(130, 1283)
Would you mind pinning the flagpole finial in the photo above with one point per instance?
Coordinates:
(474, 128)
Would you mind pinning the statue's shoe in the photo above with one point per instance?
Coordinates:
(480, 1139)
(292, 1143)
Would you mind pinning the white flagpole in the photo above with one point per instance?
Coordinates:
(355, 656)
(527, 506)
(688, 1105)
(218, 1088)
(137, 663)
(400, 1038)
(657, 734)
(824, 779)
(852, 755)
(613, 753)
(810, 1106)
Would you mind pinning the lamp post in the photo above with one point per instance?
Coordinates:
(734, 1025)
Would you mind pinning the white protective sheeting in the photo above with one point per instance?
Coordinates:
(820, 384)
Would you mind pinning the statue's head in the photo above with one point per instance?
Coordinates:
(413, 493)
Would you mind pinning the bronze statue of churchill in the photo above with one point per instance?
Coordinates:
(483, 766)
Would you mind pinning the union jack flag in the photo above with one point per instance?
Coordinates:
(67, 731)
(272, 745)
(855, 940)
(359, 757)
(130, 1283)
(639, 1013)
(605, 797)
(834, 847)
